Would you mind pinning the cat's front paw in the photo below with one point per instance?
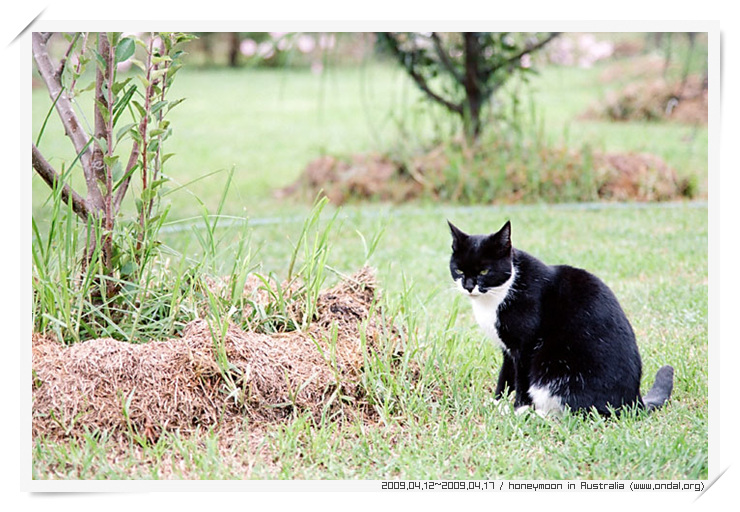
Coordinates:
(523, 409)
(529, 410)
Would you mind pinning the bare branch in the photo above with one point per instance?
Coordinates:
(67, 115)
(532, 47)
(78, 67)
(63, 62)
(52, 178)
(511, 62)
(417, 77)
(445, 59)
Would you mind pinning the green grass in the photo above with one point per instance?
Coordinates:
(266, 125)
(654, 258)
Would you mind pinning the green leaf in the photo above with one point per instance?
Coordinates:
(110, 160)
(129, 173)
(103, 109)
(147, 194)
(121, 104)
(160, 59)
(116, 171)
(175, 103)
(103, 144)
(138, 106)
(113, 38)
(102, 64)
(158, 106)
(156, 183)
(136, 135)
(118, 86)
(125, 49)
(124, 131)
(143, 80)
(88, 87)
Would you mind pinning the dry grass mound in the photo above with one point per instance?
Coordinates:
(549, 174)
(177, 384)
(638, 176)
(365, 176)
(656, 100)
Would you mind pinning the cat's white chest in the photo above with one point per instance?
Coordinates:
(486, 306)
(485, 310)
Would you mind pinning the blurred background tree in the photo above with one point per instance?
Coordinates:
(463, 70)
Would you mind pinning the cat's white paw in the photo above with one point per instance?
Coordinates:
(541, 414)
(522, 410)
(530, 410)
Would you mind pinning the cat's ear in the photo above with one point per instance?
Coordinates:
(501, 240)
(505, 234)
(457, 235)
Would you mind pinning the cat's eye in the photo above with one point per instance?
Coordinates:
(484, 272)
(458, 272)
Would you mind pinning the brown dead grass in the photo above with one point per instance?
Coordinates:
(176, 384)
(362, 175)
(618, 177)
(655, 99)
(637, 176)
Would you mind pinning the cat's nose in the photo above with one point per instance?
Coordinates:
(469, 284)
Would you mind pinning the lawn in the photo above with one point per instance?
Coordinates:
(266, 125)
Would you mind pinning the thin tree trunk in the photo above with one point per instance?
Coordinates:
(103, 132)
(234, 49)
(473, 87)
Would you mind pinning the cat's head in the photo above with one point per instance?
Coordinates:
(481, 263)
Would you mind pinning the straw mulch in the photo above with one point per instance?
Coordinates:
(176, 384)
(655, 99)
(618, 177)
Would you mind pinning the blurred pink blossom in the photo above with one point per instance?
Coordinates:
(583, 50)
(327, 41)
(283, 44)
(593, 50)
(248, 47)
(158, 44)
(265, 50)
(306, 43)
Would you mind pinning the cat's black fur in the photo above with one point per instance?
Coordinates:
(561, 328)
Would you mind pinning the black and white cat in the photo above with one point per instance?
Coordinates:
(567, 343)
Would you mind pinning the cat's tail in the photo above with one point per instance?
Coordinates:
(661, 390)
